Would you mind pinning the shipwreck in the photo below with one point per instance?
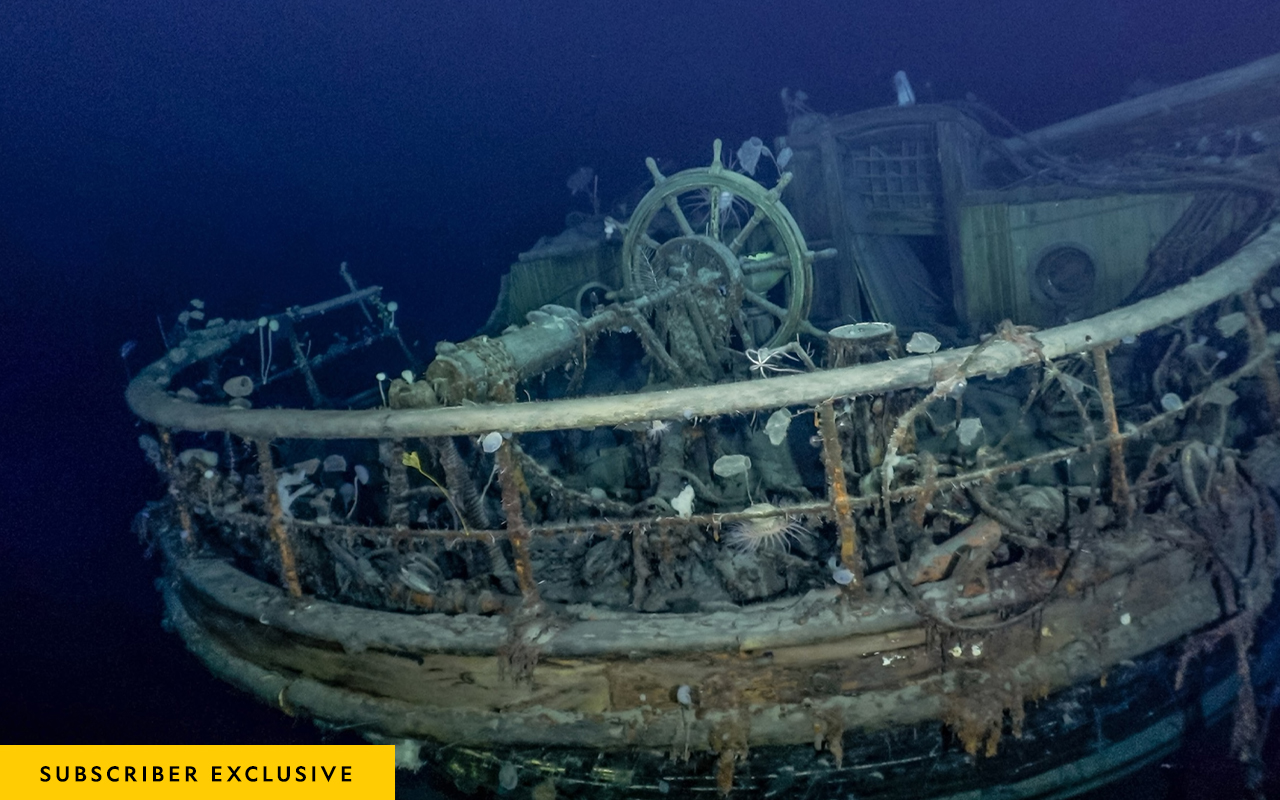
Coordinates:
(911, 456)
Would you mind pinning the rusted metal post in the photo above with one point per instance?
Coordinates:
(512, 481)
(171, 472)
(838, 492)
(275, 520)
(1120, 497)
(1266, 366)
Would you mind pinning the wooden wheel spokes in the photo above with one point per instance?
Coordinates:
(748, 225)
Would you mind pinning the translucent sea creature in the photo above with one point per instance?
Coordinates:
(731, 465)
(362, 476)
(287, 494)
(776, 427)
(733, 210)
(906, 97)
(491, 441)
(657, 429)
(751, 150)
(968, 430)
(508, 776)
(653, 430)
(684, 695)
(764, 533)
(683, 502)
(923, 343)
(1231, 324)
(749, 154)
(768, 359)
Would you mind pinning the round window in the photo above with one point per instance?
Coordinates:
(1065, 276)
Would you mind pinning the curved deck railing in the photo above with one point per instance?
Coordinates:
(151, 395)
(149, 400)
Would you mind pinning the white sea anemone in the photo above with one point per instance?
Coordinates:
(764, 533)
(657, 429)
(683, 502)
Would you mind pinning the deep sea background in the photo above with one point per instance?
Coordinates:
(236, 151)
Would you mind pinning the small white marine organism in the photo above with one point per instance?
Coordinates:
(751, 150)
(776, 427)
(1230, 324)
(731, 465)
(842, 576)
(683, 502)
(775, 532)
(198, 455)
(922, 343)
(238, 388)
(656, 429)
(684, 694)
(768, 359)
(1171, 402)
(906, 97)
(266, 345)
(508, 776)
(653, 429)
(968, 430)
(491, 441)
(286, 492)
(749, 154)
(362, 476)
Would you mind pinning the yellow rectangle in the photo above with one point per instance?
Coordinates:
(198, 771)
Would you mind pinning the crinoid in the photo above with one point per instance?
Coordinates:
(775, 532)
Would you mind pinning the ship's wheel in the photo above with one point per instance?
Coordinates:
(718, 219)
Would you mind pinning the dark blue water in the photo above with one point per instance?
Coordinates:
(152, 152)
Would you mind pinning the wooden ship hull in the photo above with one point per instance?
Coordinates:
(721, 544)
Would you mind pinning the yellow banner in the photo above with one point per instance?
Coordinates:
(198, 771)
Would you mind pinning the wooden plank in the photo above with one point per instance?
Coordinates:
(957, 167)
(847, 270)
(987, 263)
(1002, 242)
(1244, 95)
(1081, 637)
(439, 680)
